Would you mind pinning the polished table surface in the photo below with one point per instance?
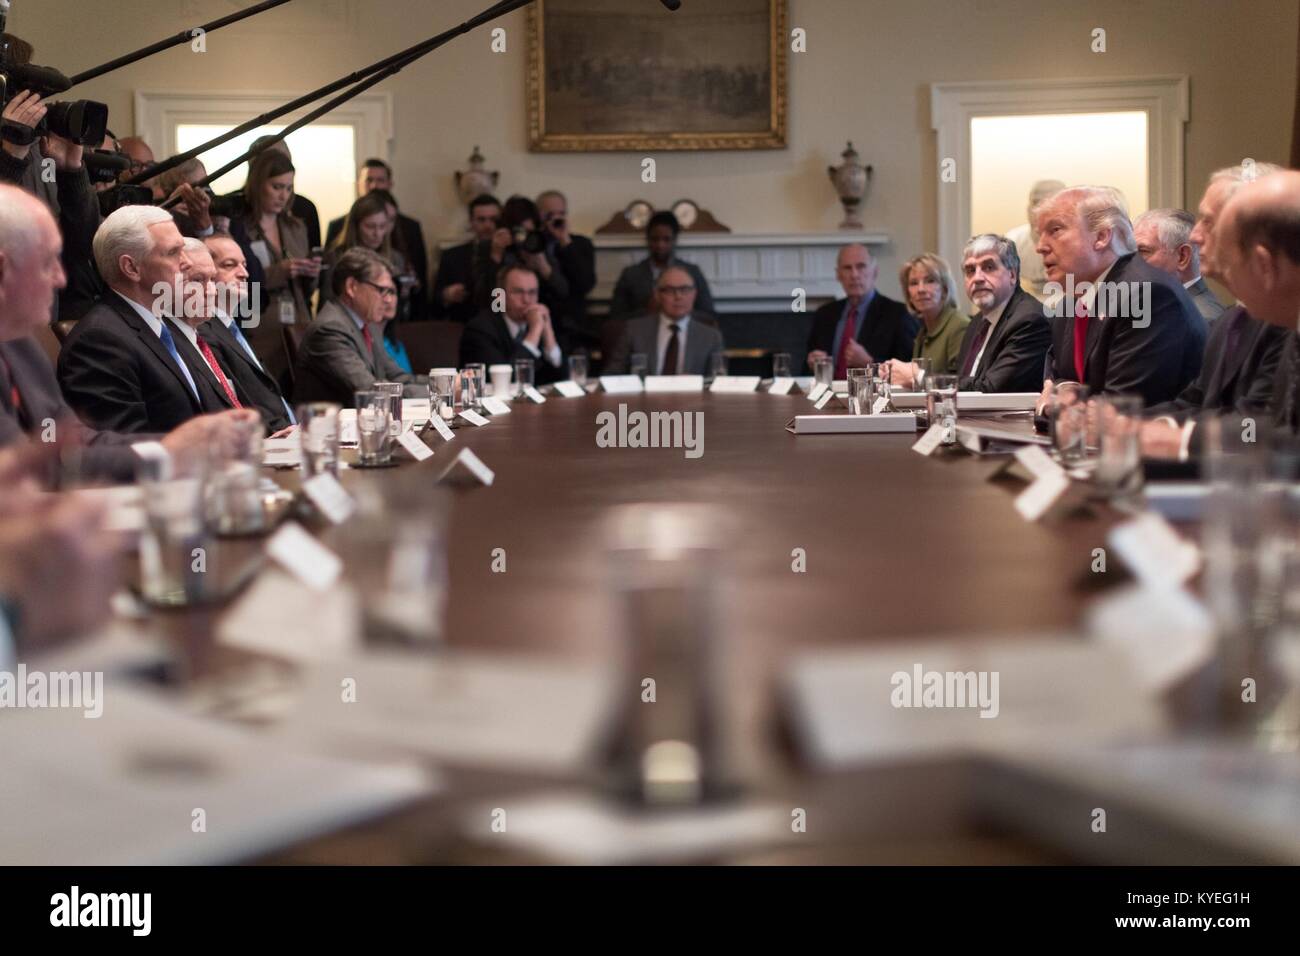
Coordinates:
(898, 546)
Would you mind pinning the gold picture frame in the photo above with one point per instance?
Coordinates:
(585, 104)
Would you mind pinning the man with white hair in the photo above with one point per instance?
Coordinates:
(1120, 326)
(1164, 240)
(121, 368)
(31, 406)
(1258, 251)
(1242, 355)
(1025, 236)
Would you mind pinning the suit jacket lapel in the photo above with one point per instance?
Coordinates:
(199, 368)
(152, 342)
(345, 318)
(1245, 345)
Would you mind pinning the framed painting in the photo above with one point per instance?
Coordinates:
(629, 75)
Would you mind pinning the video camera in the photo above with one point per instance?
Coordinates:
(531, 241)
(84, 122)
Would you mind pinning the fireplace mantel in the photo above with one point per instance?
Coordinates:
(746, 272)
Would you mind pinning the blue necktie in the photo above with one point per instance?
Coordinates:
(238, 333)
(170, 343)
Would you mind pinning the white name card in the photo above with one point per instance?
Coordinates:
(927, 443)
(1037, 462)
(1043, 495)
(880, 405)
(1155, 553)
(415, 445)
(415, 411)
(781, 386)
(442, 428)
(824, 400)
(735, 383)
(816, 391)
(304, 557)
(571, 389)
(348, 426)
(329, 497)
(533, 395)
(474, 418)
(674, 383)
(468, 465)
(621, 384)
(496, 406)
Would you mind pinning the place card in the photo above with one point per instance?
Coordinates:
(880, 405)
(442, 428)
(781, 386)
(533, 395)
(1037, 462)
(816, 391)
(1155, 553)
(1045, 494)
(735, 383)
(348, 434)
(415, 445)
(496, 406)
(468, 462)
(155, 454)
(304, 557)
(416, 411)
(569, 389)
(329, 497)
(927, 443)
(622, 384)
(473, 417)
(674, 383)
(1166, 633)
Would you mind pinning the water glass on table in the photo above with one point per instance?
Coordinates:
(525, 377)
(578, 369)
(1118, 423)
(476, 371)
(941, 405)
(781, 367)
(319, 427)
(823, 372)
(175, 543)
(861, 391)
(374, 432)
(638, 364)
(1067, 416)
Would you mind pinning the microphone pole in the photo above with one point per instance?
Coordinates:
(185, 36)
(399, 60)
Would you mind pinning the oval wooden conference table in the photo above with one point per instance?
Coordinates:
(898, 546)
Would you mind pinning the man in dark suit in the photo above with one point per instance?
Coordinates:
(1004, 346)
(343, 351)
(121, 368)
(881, 328)
(31, 405)
(377, 174)
(453, 287)
(673, 339)
(1130, 329)
(524, 331)
(1164, 240)
(576, 256)
(634, 294)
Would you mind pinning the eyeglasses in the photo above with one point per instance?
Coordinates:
(387, 291)
(676, 289)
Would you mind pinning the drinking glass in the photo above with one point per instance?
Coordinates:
(578, 369)
(823, 372)
(374, 433)
(941, 404)
(478, 372)
(922, 374)
(442, 393)
(718, 364)
(1067, 415)
(881, 387)
(637, 364)
(525, 371)
(861, 391)
(1119, 463)
(233, 502)
(781, 365)
(175, 545)
(319, 425)
(395, 392)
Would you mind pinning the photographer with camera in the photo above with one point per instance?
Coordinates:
(518, 241)
(577, 258)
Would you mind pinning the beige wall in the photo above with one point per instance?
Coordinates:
(865, 77)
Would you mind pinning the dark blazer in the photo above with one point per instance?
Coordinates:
(578, 262)
(1244, 383)
(888, 329)
(106, 455)
(411, 244)
(636, 286)
(252, 383)
(487, 340)
(1156, 361)
(703, 341)
(334, 363)
(1013, 357)
(1205, 301)
(212, 392)
(455, 266)
(302, 208)
(118, 376)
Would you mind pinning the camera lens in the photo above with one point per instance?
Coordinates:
(84, 122)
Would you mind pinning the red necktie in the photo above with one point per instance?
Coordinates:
(216, 370)
(842, 356)
(15, 400)
(370, 343)
(1080, 338)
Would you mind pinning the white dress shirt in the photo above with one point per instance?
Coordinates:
(554, 356)
(992, 320)
(665, 336)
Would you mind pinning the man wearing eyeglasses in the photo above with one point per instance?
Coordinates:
(674, 341)
(521, 329)
(343, 351)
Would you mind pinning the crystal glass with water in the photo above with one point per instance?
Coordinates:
(475, 374)
(1119, 462)
(823, 372)
(578, 369)
(861, 391)
(442, 393)
(1067, 414)
(781, 365)
(941, 405)
(525, 376)
(638, 364)
(319, 426)
(175, 545)
(395, 392)
(374, 431)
